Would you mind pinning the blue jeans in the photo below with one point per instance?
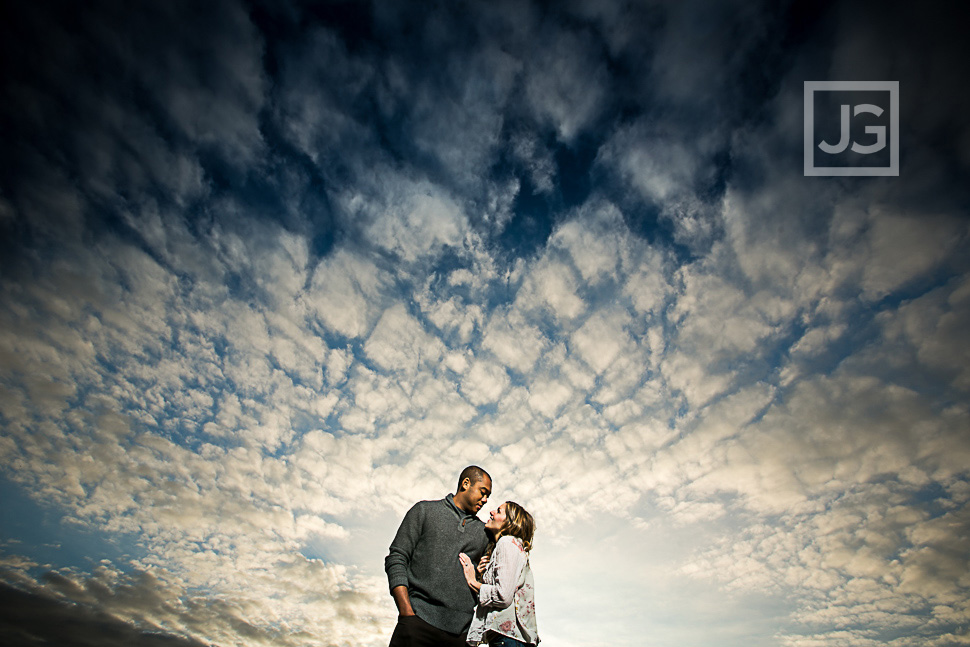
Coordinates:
(505, 641)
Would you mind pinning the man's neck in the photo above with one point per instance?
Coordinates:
(455, 503)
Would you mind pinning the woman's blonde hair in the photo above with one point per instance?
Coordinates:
(518, 523)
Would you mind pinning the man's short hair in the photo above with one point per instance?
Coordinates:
(473, 473)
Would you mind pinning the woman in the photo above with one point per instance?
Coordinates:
(506, 613)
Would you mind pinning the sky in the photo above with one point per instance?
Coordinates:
(273, 271)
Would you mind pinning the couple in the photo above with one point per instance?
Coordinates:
(436, 559)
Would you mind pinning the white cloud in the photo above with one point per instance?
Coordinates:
(771, 433)
(646, 285)
(513, 340)
(621, 380)
(662, 168)
(344, 293)
(400, 342)
(457, 362)
(416, 223)
(453, 316)
(716, 316)
(597, 242)
(903, 247)
(601, 339)
(551, 284)
(548, 397)
(484, 382)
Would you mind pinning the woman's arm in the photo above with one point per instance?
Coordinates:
(509, 559)
(469, 570)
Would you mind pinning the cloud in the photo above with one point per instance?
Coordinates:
(551, 284)
(416, 221)
(344, 293)
(318, 83)
(596, 239)
(566, 83)
(527, 148)
(454, 317)
(261, 299)
(484, 382)
(463, 131)
(400, 342)
(549, 397)
(931, 336)
(33, 616)
(902, 248)
(601, 339)
(514, 341)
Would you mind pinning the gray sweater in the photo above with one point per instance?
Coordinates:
(424, 558)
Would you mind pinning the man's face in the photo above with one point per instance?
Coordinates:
(471, 497)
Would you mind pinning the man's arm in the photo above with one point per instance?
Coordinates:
(399, 558)
(402, 600)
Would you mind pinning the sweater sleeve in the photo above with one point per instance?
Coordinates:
(402, 548)
(508, 561)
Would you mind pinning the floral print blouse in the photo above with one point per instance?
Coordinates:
(506, 602)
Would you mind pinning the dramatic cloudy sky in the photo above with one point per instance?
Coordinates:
(272, 272)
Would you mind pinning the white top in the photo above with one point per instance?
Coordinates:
(506, 601)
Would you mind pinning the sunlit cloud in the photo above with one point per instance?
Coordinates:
(284, 272)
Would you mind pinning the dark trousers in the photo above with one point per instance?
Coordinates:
(412, 631)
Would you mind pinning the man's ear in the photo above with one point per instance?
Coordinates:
(465, 484)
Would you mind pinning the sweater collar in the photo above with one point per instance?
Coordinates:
(450, 500)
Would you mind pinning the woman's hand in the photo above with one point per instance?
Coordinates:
(469, 570)
(482, 564)
(466, 566)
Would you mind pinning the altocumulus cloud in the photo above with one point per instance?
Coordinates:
(272, 272)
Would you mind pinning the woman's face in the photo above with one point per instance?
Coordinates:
(496, 518)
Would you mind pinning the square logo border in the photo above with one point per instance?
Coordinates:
(842, 171)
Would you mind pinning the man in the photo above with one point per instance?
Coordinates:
(434, 603)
